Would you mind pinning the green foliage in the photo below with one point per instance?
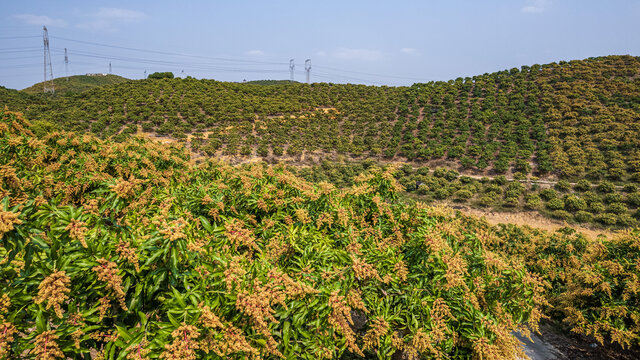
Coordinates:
(587, 277)
(555, 204)
(633, 199)
(583, 185)
(606, 187)
(561, 214)
(130, 249)
(573, 203)
(533, 201)
(563, 185)
(584, 217)
(607, 218)
(548, 194)
(161, 75)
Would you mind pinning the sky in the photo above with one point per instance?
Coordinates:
(370, 42)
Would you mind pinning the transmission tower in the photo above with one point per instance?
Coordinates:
(48, 79)
(109, 67)
(292, 67)
(145, 73)
(307, 68)
(66, 64)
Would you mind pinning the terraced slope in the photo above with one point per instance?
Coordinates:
(567, 119)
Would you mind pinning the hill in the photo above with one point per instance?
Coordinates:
(16, 99)
(77, 83)
(569, 119)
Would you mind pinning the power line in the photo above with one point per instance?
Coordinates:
(238, 65)
(169, 53)
(370, 74)
(19, 51)
(238, 60)
(196, 66)
(19, 58)
(333, 76)
(20, 66)
(18, 37)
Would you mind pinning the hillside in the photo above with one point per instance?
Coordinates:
(77, 83)
(129, 250)
(569, 119)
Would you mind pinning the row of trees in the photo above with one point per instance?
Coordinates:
(574, 119)
(601, 203)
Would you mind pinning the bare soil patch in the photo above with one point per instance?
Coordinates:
(528, 218)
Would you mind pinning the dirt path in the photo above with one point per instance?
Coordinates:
(526, 181)
(528, 218)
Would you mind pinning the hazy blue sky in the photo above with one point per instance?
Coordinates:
(347, 41)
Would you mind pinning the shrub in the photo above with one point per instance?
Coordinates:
(441, 193)
(584, 217)
(591, 197)
(606, 187)
(500, 180)
(627, 220)
(548, 194)
(440, 172)
(633, 199)
(486, 200)
(519, 176)
(263, 150)
(423, 170)
(612, 198)
(511, 201)
(465, 179)
(582, 185)
(561, 214)
(462, 195)
(607, 218)
(617, 208)
(563, 185)
(423, 189)
(533, 201)
(555, 204)
(597, 207)
(574, 203)
(406, 169)
(451, 175)
(493, 188)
